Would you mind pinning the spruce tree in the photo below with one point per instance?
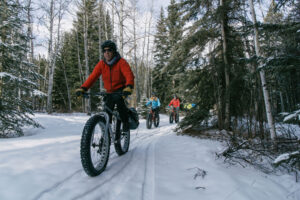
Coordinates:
(161, 53)
(18, 78)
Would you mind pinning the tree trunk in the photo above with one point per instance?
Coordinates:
(138, 99)
(148, 52)
(143, 60)
(50, 57)
(87, 71)
(68, 89)
(262, 76)
(227, 69)
(29, 30)
(80, 69)
(100, 19)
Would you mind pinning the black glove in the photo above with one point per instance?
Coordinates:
(80, 91)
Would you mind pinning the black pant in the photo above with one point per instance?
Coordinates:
(115, 99)
(156, 111)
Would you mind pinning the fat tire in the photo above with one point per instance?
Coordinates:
(156, 121)
(171, 118)
(85, 145)
(177, 118)
(149, 121)
(122, 148)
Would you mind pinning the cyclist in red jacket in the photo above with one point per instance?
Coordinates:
(175, 103)
(117, 77)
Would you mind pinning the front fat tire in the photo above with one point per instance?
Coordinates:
(171, 118)
(149, 121)
(86, 146)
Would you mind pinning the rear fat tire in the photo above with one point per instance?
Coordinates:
(122, 144)
(156, 121)
(149, 121)
(177, 118)
(86, 146)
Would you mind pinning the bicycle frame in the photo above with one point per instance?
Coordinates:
(152, 114)
(104, 113)
(95, 144)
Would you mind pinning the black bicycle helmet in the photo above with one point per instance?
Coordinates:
(109, 44)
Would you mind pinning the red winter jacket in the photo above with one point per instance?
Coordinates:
(175, 103)
(114, 78)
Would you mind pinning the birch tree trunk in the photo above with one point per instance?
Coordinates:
(113, 17)
(121, 27)
(143, 60)
(87, 71)
(135, 51)
(62, 7)
(227, 69)
(29, 30)
(80, 68)
(147, 56)
(262, 75)
(50, 57)
(100, 20)
(68, 89)
(79, 60)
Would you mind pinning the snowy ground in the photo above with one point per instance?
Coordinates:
(159, 166)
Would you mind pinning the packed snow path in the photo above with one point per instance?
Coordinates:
(160, 165)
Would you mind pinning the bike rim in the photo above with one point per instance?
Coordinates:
(98, 148)
(124, 141)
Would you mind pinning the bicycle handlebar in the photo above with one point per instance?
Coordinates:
(97, 94)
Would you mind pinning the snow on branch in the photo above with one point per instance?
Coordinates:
(292, 116)
(12, 77)
(39, 93)
(286, 157)
(4, 74)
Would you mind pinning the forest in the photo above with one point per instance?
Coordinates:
(237, 60)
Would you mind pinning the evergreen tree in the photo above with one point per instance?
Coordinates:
(175, 65)
(203, 51)
(161, 55)
(282, 57)
(67, 77)
(18, 78)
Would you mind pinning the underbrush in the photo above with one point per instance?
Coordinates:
(279, 156)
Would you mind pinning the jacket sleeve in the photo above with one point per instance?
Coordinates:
(171, 102)
(158, 102)
(127, 73)
(148, 103)
(93, 76)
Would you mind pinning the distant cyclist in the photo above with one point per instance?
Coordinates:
(175, 103)
(155, 103)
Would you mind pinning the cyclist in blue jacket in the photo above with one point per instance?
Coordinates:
(155, 103)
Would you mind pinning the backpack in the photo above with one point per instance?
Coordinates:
(133, 118)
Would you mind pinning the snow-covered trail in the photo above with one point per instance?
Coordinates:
(159, 166)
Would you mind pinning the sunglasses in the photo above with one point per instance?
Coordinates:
(107, 50)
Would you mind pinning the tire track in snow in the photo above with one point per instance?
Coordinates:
(123, 169)
(107, 180)
(149, 182)
(136, 139)
(68, 178)
(56, 185)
